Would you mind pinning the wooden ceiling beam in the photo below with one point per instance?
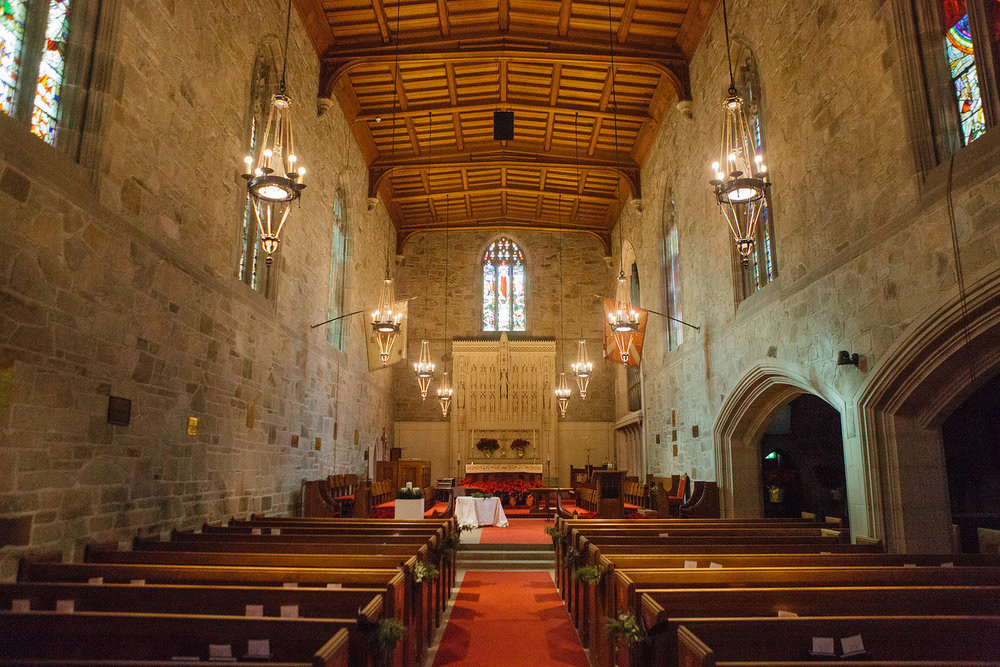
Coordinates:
(503, 15)
(413, 111)
(317, 26)
(556, 83)
(628, 13)
(414, 141)
(443, 19)
(503, 81)
(480, 192)
(381, 19)
(548, 131)
(594, 136)
(472, 224)
(449, 71)
(564, 15)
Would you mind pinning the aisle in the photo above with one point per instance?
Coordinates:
(503, 619)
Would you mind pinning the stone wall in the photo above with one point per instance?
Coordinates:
(585, 272)
(863, 242)
(128, 287)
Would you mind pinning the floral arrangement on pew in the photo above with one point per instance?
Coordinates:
(512, 493)
(519, 446)
(488, 445)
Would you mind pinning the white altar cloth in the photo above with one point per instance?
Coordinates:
(479, 512)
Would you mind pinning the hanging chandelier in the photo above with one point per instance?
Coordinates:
(740, 175)
(273, 177)
(582, 368)
(624, 320)
(444, 390)
(563, 394)
(424, 368)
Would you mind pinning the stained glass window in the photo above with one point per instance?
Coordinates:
(48, 87)
(11, 38)
(962, 67)
(338, 270)
(671, 265)
(503, 287)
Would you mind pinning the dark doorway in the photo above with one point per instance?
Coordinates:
(971, 438)
(802, 461)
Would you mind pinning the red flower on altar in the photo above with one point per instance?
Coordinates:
(520, 443)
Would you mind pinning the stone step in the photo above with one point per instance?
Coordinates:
(534, 548)
(492, 554)
(507, 565)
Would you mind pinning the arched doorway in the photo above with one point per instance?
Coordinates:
(802, 461)
(923, 380)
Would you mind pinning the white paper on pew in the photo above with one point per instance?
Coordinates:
(690, 563)
(664, 534)
(947, 565)
(65, 606)
(186, 658)
(823, 646)
(714, 566)
(259, 648)
(276, 531)
(852, 646)
(909, 564)
(223, 652)
(825, 553)
(95, 580)
(787, 614)
(255, 531)
(138, 582)
(289, 611)
(290, 584)
(20, 606)
(254, 610)
(334, 586)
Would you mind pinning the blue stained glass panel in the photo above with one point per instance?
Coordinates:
(518, 287)
(962, 64)
(489, 297)
(11, 38)
(50, 72)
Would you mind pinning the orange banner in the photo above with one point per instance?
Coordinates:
(610, 348)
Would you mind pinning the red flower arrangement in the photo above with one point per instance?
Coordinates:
(513, 492)
(487, 445)
(520, 443)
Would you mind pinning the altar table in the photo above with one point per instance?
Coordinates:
(479, 512)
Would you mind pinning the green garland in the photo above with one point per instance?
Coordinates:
(625, 627)
(589, 574)
(383, 640)
(424, 572)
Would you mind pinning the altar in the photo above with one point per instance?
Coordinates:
(503, 472)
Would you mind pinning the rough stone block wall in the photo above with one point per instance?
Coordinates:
(585, 272)
(863, 242)
(129, 288)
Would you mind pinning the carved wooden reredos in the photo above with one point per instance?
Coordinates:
(503, 390)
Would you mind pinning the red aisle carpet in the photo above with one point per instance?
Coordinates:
(518, 531)
(507, 619)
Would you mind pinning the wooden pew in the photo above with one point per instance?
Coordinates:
(44, 637)
(891, 640)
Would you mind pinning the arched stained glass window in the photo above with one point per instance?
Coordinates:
(503, 286)
(48, 87)
(335, 331)
(12, 19)
(961, 57)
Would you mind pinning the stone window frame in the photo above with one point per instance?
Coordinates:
(745, 283)
(261, 85)
(527, 283)
(336, 332)
(928, 98)
(86, 95)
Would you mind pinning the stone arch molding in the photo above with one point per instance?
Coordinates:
(741, 423)
(923, 378)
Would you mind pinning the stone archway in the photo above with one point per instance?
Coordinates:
(925, 375)
(741, 423)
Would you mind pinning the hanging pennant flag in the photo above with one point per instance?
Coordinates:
(398, 351)
(610, 348)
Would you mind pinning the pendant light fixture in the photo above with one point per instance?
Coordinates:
(424, 368)
(740, 176)
(386, 319)
(562, 390)
(624, 320)
(274, 179)
(582, 368)
(444, 389)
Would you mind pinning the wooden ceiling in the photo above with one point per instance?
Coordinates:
(426, 127)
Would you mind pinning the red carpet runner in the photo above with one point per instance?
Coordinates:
(505, 619)
(518, 531)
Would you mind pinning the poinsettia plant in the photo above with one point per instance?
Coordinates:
(520, 443)
(512, 492)
(487, 445)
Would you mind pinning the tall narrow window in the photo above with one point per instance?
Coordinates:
(335, 331)
(763, 266)
(51, 68)
(12, 20)
(252, 269)
(961, 58)
(672, 271)
(503, 287)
